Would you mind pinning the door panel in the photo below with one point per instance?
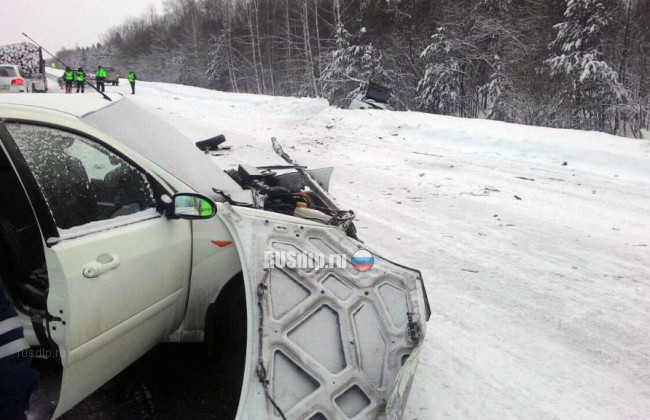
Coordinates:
(118, 271)
(154, 262)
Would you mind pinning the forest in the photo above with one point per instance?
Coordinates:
(579, 64)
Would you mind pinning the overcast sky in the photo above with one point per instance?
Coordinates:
(58, 24)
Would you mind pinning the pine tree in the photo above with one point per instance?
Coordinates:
(593, 87)
(352, 64)
(440, 87)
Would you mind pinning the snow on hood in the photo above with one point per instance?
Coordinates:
(161, 143)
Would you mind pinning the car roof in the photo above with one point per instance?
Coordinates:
(158, 143)
(75, 105)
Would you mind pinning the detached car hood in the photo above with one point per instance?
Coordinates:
(328, 343)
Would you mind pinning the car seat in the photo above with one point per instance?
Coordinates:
(22, 259)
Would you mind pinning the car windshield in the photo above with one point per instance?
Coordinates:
(162, 144)
(7, 71)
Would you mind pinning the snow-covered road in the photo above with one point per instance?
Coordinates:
(534, 243)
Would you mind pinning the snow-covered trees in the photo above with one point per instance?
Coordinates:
(591, 84)
(440, 87)
(491, 59)
(350, 65)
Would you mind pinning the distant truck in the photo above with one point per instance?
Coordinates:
(112, 76)
(29, 58)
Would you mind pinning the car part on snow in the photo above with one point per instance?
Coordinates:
(211, 144)
(375, 97)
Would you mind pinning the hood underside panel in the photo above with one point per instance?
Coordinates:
(329, 342)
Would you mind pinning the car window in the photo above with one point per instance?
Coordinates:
(7, 72)
(81, 180)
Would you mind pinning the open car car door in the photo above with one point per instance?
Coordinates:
(117, 270)
(326, 342)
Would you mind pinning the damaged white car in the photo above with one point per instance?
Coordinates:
(115, 237)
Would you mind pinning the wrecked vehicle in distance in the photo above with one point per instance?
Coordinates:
(375, 96)
(116, 237)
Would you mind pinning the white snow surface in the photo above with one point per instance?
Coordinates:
(538, 273)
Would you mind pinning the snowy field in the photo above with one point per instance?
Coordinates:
(534, 243)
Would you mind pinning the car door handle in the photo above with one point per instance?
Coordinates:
(104, 263)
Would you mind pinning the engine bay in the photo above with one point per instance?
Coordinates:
(288, 189)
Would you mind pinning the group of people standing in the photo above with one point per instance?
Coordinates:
(70, 77)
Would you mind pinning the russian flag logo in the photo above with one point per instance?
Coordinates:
(362, 260)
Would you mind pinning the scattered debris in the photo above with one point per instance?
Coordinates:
(517, 197)
(427, 154)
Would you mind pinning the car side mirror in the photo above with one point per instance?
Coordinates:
(192, 206)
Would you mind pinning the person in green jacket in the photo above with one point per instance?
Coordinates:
(80, 77)
(100, 76)
(132, 78)
(68, 77)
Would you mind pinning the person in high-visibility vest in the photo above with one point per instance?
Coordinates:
(132, 78)
(100, 76)
(80, 77)
(68, 77)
